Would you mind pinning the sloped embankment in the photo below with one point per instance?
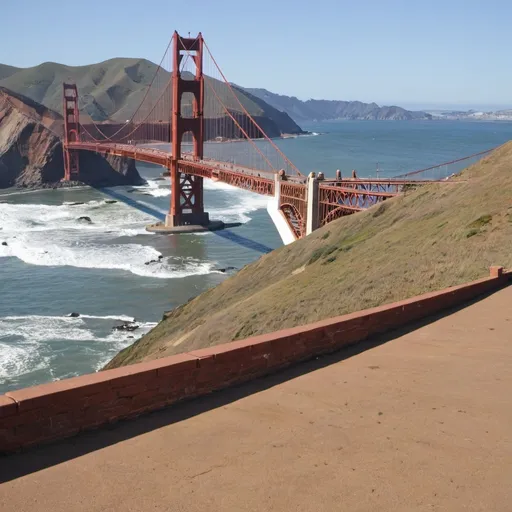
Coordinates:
(31, 149)
(430, 238)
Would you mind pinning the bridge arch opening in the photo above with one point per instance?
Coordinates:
(294, 218)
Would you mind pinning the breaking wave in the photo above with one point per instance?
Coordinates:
(33, 337)
(155, 188)
(53, 235)
(237, 203)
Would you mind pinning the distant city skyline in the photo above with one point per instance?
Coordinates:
(436, 55)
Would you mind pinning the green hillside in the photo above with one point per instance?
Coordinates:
(109, 88)
(6, 71)
(113, 89)
(433, 237)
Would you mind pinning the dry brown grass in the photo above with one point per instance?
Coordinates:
(430, 238)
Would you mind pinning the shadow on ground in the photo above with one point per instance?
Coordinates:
(20, 464)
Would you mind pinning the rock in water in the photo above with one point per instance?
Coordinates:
(126, 326)
(159, 260)
(4, 243)
(226, 269)
(110, 201)
(84, 218)
(74, 315)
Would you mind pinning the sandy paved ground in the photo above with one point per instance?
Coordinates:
(420, 423)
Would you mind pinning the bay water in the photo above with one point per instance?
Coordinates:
(55, 264)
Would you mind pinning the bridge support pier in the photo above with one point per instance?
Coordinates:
(187, 213)
(187, 206)
(187, 219)
(312, 216)
(273, 208)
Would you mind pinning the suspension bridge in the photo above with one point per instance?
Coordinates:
(190, 105)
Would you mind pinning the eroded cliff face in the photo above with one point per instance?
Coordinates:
(31, 150)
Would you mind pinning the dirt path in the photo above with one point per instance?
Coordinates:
(421, 423)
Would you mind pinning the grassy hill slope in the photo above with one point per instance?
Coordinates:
(113, 89)
(436, 236)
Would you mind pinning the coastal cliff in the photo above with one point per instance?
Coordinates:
(31, 149)
(433, 237)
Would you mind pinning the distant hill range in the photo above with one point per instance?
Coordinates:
(112, 90)
(324, 110)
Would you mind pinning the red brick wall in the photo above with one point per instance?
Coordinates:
(61, 409)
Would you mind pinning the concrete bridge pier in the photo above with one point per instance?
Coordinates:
(313, 214)
(273, 208)
(186, 214)
(187, 204)
(187, 219)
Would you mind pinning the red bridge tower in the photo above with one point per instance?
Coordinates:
(71, 132)
(187, 191)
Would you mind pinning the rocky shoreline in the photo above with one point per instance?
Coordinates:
(31, 154)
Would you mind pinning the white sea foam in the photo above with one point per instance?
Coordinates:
(17, 359)
(310, 134)
(29, 351)
(51, 235)
(41, 328)
(39, 249)
(241, 202)
(155, 188)
(122, 318)
(111, 218)
(160, 192)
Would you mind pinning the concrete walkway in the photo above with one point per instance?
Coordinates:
(422, 422)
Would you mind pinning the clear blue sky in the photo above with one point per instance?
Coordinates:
(407, 52)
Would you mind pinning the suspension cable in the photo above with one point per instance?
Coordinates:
(148, 87)
(412, 173)
(239, 127)
(249, 115)
(229, 113)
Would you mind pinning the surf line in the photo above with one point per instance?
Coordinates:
(226, 234)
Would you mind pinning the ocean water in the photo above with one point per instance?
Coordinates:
(55, 264)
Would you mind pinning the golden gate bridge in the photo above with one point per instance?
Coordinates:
(190, 104)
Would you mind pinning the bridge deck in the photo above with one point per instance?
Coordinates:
(258, 181)
(419, 423)
(261, 182)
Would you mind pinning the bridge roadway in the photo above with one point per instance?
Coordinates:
(420, 423)
(262, 182)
